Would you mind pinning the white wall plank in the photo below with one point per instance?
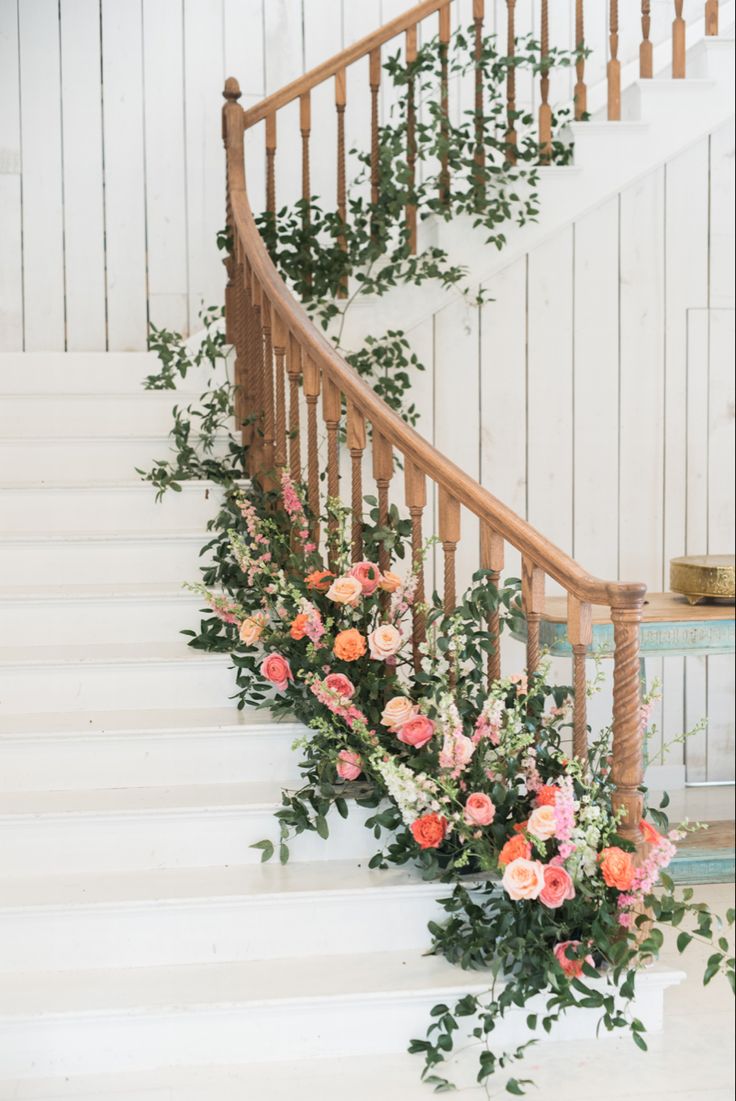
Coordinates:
(11, 254)
(723, 221)
(125, 216)
(244, 42)
(43, 218)
(322, 39)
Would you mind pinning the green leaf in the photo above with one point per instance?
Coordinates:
(320, 824)
(683, 940)
(266, 848)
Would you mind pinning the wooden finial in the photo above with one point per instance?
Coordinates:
(231, 91)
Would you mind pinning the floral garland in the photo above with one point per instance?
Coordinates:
(473, 781)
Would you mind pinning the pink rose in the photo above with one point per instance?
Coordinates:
(338, 682)
(368, 575)
(384, 642)
(523, 879)
(558, 887)
(542, 823)
(572, 968)
(277, 670)
(345, 590)
(397, 711)
(416, 731)
(479, 810)
(349, 765)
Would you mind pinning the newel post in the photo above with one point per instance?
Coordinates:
(627, 769)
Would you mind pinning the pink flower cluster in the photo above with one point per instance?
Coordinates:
(565, 817)
(488, 723)
(225, 609)
(335, 692)
(295, 511)
(457, 750)
(645, 876)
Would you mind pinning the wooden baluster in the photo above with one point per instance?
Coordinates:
(580, 634)
(356, 446)
(679, 44)
(415, 491)
(491, 559)
(268, 403)
(411, 141)
(340, 101)
(449, 528)
(305, 125)
(646, 50)
(532, 598)
(294, 367)
(234, 332)
(331, 409)
(280, 337)
(711, 17)
(511, 84)
(480, 156)
(444, 18)
(375, 82)
(545, 111)
(383, 469)
(271, 163)
(256, 368)
(627, 770)
(613, 69)
(310, 374)
(581, 91)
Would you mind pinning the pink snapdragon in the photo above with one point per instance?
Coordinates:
(224, 608)
(456, 752)
(488, 723)
(564, 810)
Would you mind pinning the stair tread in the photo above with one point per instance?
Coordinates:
(107, 590)
(241, 796)
(106, 653)
(127, 534)
(187, 485)
(169, 721)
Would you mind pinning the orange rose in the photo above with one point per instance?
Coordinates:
(617, 867)
(429, 830)
(319, 580)
(297, 628)
(516, 848)
(521, 826)
(546, 795)
(390, 582)
(651, 836)
(349, 645)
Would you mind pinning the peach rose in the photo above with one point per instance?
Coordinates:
(542, 823)
(558, 887)
(397, 711)
(345, 590)
(523, 879)
(479, 809)
(429, 830)
(416, 731)
(546, 795)
(572, 968)
(341, 684)
(368, 575)
(349, 645)
(277, 670)
(319, 580)
(349, 765)
(651, 835)
(384, 642)
(298, 625)
(251, 628)
(516, 848)
(522, 683)
(390, 582)
(617, 867)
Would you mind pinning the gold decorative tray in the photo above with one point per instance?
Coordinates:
(704, 577)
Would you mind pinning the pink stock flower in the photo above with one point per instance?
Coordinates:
(416, 731)
(558, 887)
(456, 752)
(277, 670)
(349, 765)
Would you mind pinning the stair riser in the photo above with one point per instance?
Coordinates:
(86, 372)
(50, 622)
(81, 687)
(106, 760)
(80, 562)
(369, 1025)
(107, 509)
(81, 460)
(656, 102)
(187, 839)
(143, 414)
(158, 934)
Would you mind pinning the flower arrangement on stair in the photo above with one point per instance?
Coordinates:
(470, 779)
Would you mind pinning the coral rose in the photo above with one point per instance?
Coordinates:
(349, 645)
(345, 590)
(416, 731)
(251, 628)
(523, 879)
(651, 836)
(516, 848)
(397, 711)
(298, 626)
(319, 580)
(617, 867)
(277, 670)
(558, 887)
(341, 684)
(368, 575)
(572, 968)
(390, 582)
(349, 765)
(546, 795)
(384, 642)
(429, 830)
(542, 823)
(479, 809)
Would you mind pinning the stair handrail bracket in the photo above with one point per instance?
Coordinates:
(278, 349)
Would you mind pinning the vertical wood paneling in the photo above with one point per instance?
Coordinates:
(244, 45)
(11, 253)
(125, 215)
(84, 230)
(166, 193)
(43, 217)
(723, 222)
(322, 39)
(285, 61)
